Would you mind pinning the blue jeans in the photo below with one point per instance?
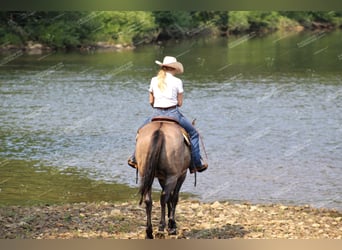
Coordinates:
(186, 124)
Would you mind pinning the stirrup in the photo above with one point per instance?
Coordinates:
(132, 162)
(200, 168)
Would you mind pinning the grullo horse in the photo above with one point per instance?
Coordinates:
(161, 152)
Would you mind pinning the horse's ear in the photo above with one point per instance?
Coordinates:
(193, 122)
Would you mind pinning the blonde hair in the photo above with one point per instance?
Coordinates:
(161, 79)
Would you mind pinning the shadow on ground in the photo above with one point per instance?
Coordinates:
(227, 231)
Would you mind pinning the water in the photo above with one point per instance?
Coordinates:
(268, 109)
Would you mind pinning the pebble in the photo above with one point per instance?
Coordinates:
(115, 212)
(253, 208)
(216, 205)
(200, 214)
(194, 206)
(22, 223)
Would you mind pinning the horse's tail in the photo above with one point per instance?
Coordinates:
(151, 163)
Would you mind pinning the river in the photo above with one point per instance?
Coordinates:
(268, 109)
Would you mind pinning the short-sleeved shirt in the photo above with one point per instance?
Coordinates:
(168, 97)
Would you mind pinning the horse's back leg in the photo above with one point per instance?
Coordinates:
(165, 197)
(162, 222)
(148, 203)
(172, 225)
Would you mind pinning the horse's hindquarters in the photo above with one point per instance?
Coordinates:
(174, 154)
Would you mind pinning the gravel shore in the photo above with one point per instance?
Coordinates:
(196, 220)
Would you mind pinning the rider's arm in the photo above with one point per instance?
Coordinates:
(179, 99)
(151, 98)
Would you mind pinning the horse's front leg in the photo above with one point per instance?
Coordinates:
(148, 203)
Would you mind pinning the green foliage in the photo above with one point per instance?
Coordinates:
(178, 24)
(259, 21)
(72, 29)
(300, 16)
(55, 29)
(263, 20)
(220, 20)
(306, 18)
(7, 38)
(238, 21)
(286, 23)
(174, 24)
(125, 26)
(75, 29)
(57, 32)
(209, 18)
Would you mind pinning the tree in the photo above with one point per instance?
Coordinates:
(173, 24)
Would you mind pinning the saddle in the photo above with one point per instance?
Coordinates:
(164, 119)
(173, 120)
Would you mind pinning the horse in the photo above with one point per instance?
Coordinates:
(162, 152)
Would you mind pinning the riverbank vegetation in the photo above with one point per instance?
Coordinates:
(128, 29)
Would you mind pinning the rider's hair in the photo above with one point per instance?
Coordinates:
(161, 79)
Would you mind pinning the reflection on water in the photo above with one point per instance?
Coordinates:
(268, 110)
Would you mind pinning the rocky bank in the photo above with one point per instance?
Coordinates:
(196, 220)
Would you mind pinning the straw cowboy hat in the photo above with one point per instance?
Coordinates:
(170, 61)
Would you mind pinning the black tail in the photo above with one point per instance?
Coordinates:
(152, 161)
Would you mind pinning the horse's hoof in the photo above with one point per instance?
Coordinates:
(149, 237)
(149, 233)
(160, 235)
(172, 231)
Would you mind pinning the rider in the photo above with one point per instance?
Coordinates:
(166, 96)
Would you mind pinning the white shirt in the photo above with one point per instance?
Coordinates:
(168, 97)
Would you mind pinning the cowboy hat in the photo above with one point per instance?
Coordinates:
(170, 61)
